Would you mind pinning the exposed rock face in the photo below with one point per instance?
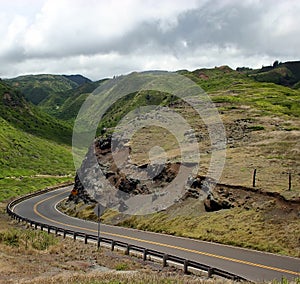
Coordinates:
(99, 162)
(214, 202)
(78, 193)
(99, 178)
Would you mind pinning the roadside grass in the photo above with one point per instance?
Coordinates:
(131, 277)
(27, 239)
(78, 210)
(17, 186)
(237, 227)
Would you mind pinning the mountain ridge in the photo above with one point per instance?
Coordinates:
(37, 88)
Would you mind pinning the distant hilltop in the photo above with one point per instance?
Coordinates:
(78, 79)
(286, 74)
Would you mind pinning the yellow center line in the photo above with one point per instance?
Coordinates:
(160, 244)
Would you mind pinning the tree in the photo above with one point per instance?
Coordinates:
(275, 64)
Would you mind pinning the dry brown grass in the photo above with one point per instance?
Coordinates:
(274, 150)
(125, 277)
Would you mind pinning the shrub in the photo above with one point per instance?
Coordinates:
(121, 266)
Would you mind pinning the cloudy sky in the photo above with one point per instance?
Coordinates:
(102, 38)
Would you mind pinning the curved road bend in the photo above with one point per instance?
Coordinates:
(250, 264)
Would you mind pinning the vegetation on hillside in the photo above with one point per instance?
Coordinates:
(26, 117)
(228, 86)
(34, 147)
(37, 88)
(67, 106)
(286, 74)
(58, 95)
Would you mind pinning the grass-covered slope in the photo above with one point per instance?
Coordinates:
(28, 162)
(58, 95)
(235, 88)
(34, 148)
(25, 154)
(286, 74)
(66, 106)
(37, 88)
(24, 116)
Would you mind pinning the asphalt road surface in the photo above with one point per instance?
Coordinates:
(249, 264)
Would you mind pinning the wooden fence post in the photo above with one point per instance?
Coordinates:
(254, 177)
(290, 180)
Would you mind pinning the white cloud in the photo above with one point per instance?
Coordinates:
(105, 38)
(64, 28)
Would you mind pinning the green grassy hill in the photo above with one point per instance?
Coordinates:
(24, 116)
(225, 86)
(237, 88)
(37, 88)
(262, 123)
(286, 74)
(34, 147)
(66, 105)
(60, 96)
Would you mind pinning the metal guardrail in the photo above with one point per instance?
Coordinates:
(114, 243)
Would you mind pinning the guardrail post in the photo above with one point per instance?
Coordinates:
(65, 234)
(112, 245)
(145, 252)
(210, 272)
(56, 230)
(42, 227)
(85, 238)
(49, 229)
(185, 266)
(98, 243)
(165, 258)
(127, 249)
(74, 236)
(35, 226)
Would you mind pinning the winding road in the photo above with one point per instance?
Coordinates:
(249, 264)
